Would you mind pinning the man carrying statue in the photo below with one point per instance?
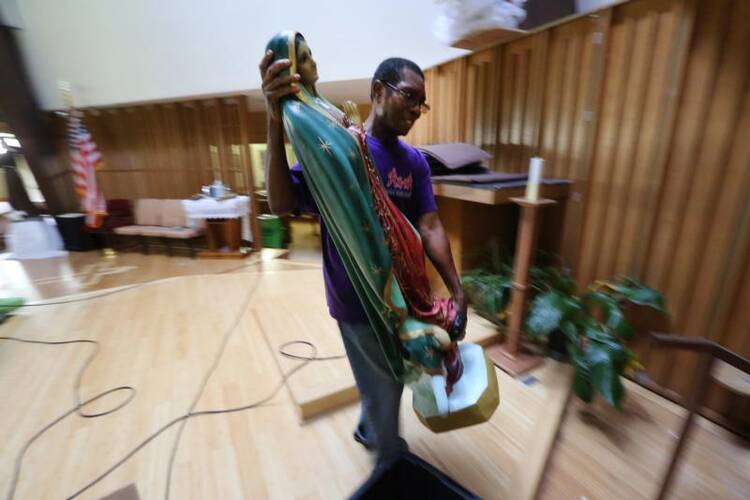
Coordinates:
(398, 100)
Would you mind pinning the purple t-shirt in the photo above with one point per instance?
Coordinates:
(406, 177)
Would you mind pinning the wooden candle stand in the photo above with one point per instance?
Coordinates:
(509, 356)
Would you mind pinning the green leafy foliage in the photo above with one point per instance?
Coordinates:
(548, 311)
(602, 362)
(594, 323)
(634, 291)
(488, 292)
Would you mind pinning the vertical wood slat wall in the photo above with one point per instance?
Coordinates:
(646, 107)
(169, 150)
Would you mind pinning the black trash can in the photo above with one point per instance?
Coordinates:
(410, 478)
(72, 228)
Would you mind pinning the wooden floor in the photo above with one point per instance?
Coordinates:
(163, 338)
(605, 454)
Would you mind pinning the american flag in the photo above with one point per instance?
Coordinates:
(85, 159)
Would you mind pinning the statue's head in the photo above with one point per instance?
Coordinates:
(293, 46)
(306, 66)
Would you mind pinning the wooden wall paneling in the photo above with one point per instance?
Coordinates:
(217, 139)
(523, 69)
(124, 133)
(120, 116)
(423, 130)
(161, 152)
(185, 144)
(150, 156)
(137, 183)
(605, 154)
(698, 84)
(221, 142)
(174, 173)
(533, 123)
(244, 117)
(227, 126)
(113, 158)
(731, 231)
(198, 150)
(575, 65)
(150, 160)
(116, 157)
(661, 111)
(208, 134)
(641, 25)
(711, 157)
(481, 103)
(170, 169)
(129, 183)
(717, 201)
(256, 123)
(239, 176)
(203, 141)
(257, 127)
(672, 21)
(713, 88)
(125, 148)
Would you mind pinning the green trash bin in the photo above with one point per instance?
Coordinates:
(272, 230)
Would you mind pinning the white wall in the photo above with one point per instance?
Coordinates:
(119, 51)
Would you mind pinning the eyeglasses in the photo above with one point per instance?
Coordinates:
(410, 99)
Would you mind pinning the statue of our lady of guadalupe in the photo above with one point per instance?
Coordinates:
(384, 258)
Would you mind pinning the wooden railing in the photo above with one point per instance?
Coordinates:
(709, 352)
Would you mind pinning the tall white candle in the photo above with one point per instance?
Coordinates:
(535, 176)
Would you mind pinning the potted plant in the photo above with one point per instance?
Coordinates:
(595, 329)
(589, 328)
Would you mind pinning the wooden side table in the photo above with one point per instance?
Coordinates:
(223, 219)
(223, 238)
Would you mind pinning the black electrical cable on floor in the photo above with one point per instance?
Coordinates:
(78, 408)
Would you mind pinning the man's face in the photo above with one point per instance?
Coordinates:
(399, 109)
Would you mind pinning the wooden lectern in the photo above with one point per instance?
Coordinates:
(509, 356)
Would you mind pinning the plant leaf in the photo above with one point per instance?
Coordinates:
(545, 313)
(569, 329)
(604, 373)
(640, 294)
(490, 293)
(582, 374)
(614, 318)
(618, 323)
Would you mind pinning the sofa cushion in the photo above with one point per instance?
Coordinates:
(173, 214)
(128, 230)
(182, 233)
(148, 212)
(154, 231)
